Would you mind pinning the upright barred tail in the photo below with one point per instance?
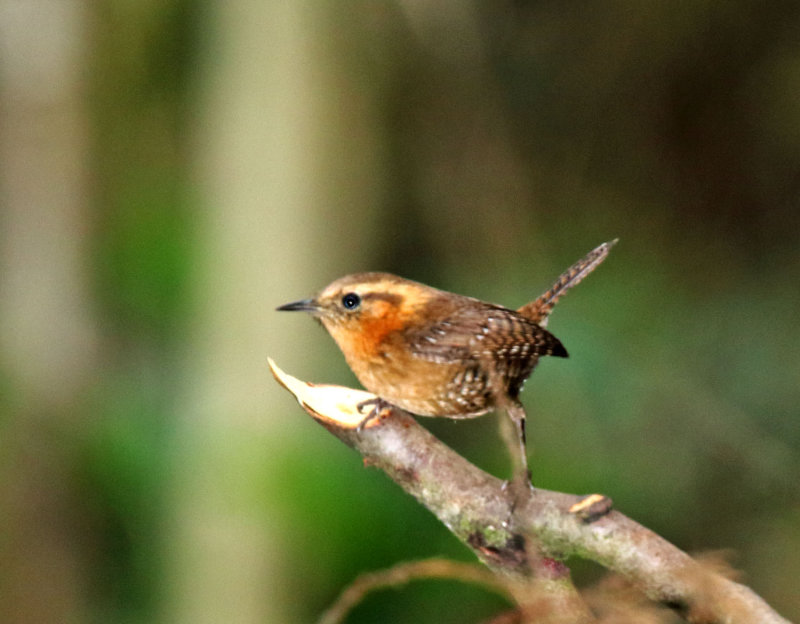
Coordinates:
(538, 310)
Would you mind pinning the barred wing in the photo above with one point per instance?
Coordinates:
(499, 341)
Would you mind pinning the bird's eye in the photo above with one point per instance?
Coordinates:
(351, 301)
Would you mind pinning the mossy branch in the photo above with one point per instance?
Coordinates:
(523, 545)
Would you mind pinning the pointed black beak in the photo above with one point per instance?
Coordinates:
(306, 305)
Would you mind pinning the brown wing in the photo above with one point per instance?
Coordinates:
(498, 341)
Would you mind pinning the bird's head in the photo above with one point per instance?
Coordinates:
(362, 310)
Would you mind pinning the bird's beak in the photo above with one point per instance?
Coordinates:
(305, 305)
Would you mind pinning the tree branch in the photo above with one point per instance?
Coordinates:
(526, 544)
(404, 572)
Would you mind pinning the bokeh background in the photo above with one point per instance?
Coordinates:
(172, 170)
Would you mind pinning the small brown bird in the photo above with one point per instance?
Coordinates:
(435, 353)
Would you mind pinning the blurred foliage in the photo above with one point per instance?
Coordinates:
(123, 468)
(143, 228)
(518, 135)
(142, 59)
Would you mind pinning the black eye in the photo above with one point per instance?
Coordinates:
(351, 301)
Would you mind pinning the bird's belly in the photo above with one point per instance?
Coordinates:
(429, 388)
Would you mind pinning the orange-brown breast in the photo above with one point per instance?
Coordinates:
(376, 329)
(365, 339)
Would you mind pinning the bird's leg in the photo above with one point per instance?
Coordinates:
(513, 431)
(374, 406)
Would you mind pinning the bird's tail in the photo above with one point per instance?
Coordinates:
(538, 310)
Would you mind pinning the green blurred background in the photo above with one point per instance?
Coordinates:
(172, 170)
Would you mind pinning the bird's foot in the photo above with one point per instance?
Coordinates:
(371, 408)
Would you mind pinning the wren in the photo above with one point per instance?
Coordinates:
(435, 353)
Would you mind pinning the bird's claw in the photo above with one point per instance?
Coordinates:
(374, 406)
